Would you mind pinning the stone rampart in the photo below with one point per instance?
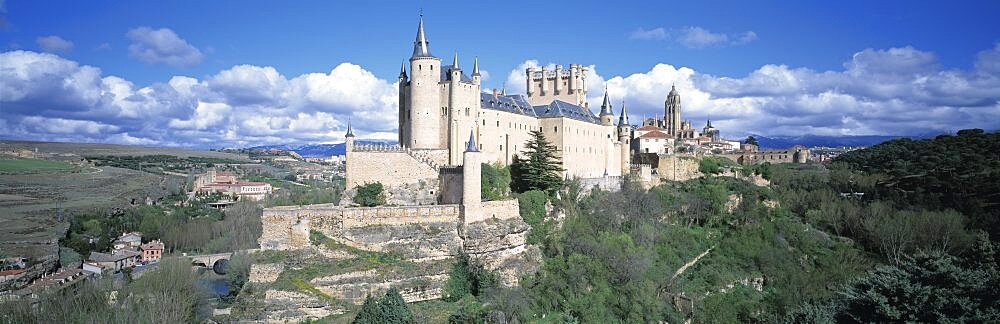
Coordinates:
(408, 179)
(677, 168)
(501, 209)
(288, 227)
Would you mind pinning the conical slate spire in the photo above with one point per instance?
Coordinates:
(475, 66)
(472, 143)
(503, 91)
(420, 45)
(454, 63)
(623, 118)
(402, 70)
(606, 106)
(350, 133)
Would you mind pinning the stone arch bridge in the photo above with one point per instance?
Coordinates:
(217, 262)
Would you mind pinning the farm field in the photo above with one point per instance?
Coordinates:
(8, 166)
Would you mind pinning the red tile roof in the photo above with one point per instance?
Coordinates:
(656, 134)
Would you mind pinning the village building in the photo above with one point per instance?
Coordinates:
(152, 251)
(228, 183)
(116, 260)
(130, 240)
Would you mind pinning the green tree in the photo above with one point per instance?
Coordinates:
(540, 168)
(495, 181)
(928, 288)
(391, 308)
(751, 140)
(370, 194)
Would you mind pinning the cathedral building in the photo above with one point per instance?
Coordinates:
(440, 104)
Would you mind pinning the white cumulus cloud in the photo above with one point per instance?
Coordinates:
(162, 46)
(54, 44)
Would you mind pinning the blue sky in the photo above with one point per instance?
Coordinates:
(793, 64)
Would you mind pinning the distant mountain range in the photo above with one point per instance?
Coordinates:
(319, 150)
(776, 142)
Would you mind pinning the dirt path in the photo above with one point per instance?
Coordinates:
(690, 263)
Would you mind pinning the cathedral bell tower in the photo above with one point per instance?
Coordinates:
(672, 112)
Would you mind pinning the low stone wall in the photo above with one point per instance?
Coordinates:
(501, 209)
(288, 227)
(607, 183)
(677, 168)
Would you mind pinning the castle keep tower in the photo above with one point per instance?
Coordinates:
(419, 103)
(672, 112)
(545, 86)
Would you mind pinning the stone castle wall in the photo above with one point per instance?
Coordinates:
(677, 168)
(409, 177)
(288, 227)
(501, 209)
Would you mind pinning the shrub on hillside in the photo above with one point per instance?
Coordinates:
(391, 308)
(370, 194)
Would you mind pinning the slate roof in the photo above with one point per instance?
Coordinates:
(105, 257)
(559, 108)
(512, 103)
(446, 74)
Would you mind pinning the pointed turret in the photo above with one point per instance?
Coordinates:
(607, 117)
(420, 44)
(402, 70)
(606, 106)
(503, 91)
(472, 147)
(454, 63)
(350, 133)
(623, 118)
(475, 66)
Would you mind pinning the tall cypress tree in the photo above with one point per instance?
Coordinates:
(540, 169)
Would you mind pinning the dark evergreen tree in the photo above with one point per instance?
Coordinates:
(540, 168)
(369, 312)
(391, 308)
(751, 140)
(394, 309)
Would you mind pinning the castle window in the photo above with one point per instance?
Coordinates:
(466, 111)
(501, 147)
(555, 128)
(432, 68)
(420, 67)
(498, 123)
(484, 122)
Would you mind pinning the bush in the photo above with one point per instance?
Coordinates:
(532, 209)
(391, 308)
(712, 164)
(468, 279)
(370, 195)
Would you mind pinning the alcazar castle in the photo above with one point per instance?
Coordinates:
(448, 127)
